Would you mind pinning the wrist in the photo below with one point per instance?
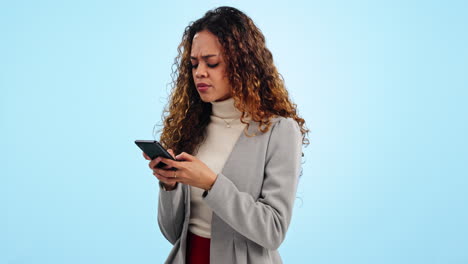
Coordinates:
(210, 185)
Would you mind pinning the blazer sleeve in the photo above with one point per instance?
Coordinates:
(265, 220)
(171, 208)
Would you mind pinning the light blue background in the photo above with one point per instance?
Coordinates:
(381, 84)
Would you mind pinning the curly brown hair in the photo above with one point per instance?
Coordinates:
(257, 87)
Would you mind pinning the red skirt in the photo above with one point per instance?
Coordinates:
(198, 249)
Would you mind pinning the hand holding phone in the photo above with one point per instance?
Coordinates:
(154, 149)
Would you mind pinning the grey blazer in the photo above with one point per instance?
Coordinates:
(252, 199)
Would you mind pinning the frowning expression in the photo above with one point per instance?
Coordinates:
(209, 68)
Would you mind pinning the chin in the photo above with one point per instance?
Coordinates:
(207, 98)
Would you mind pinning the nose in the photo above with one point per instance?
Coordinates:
(201, 71)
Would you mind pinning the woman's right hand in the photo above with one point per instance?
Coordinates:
(169, 183)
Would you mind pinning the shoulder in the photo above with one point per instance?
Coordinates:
(284, 143)
(279, 127)
(285, 131)
(285, 125)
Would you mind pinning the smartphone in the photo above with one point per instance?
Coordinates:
(154, 149)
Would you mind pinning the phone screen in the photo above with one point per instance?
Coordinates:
(153, 149)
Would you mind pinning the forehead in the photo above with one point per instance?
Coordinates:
(204, 43)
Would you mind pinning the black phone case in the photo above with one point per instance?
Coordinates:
(153, 149)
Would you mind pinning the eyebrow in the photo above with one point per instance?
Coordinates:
(204, 57)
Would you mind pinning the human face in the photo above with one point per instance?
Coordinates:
(209, 68)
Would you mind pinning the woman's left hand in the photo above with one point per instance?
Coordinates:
(190, 170)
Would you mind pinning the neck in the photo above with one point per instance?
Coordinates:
(225, 109)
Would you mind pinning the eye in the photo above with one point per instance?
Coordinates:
(194, 66)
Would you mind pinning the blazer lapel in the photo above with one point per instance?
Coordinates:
(238, 146)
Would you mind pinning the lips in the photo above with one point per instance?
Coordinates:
(202, 87)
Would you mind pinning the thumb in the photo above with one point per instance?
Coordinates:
(171, 152)
(185, 156)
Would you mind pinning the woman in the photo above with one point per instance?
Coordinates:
(239, 143)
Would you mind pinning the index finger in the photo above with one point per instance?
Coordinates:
(154, 162)
(171, 163)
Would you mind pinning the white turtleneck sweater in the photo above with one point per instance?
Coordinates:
(223, 131)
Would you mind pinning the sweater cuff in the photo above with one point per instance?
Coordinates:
(168, 199)
(161, 186)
